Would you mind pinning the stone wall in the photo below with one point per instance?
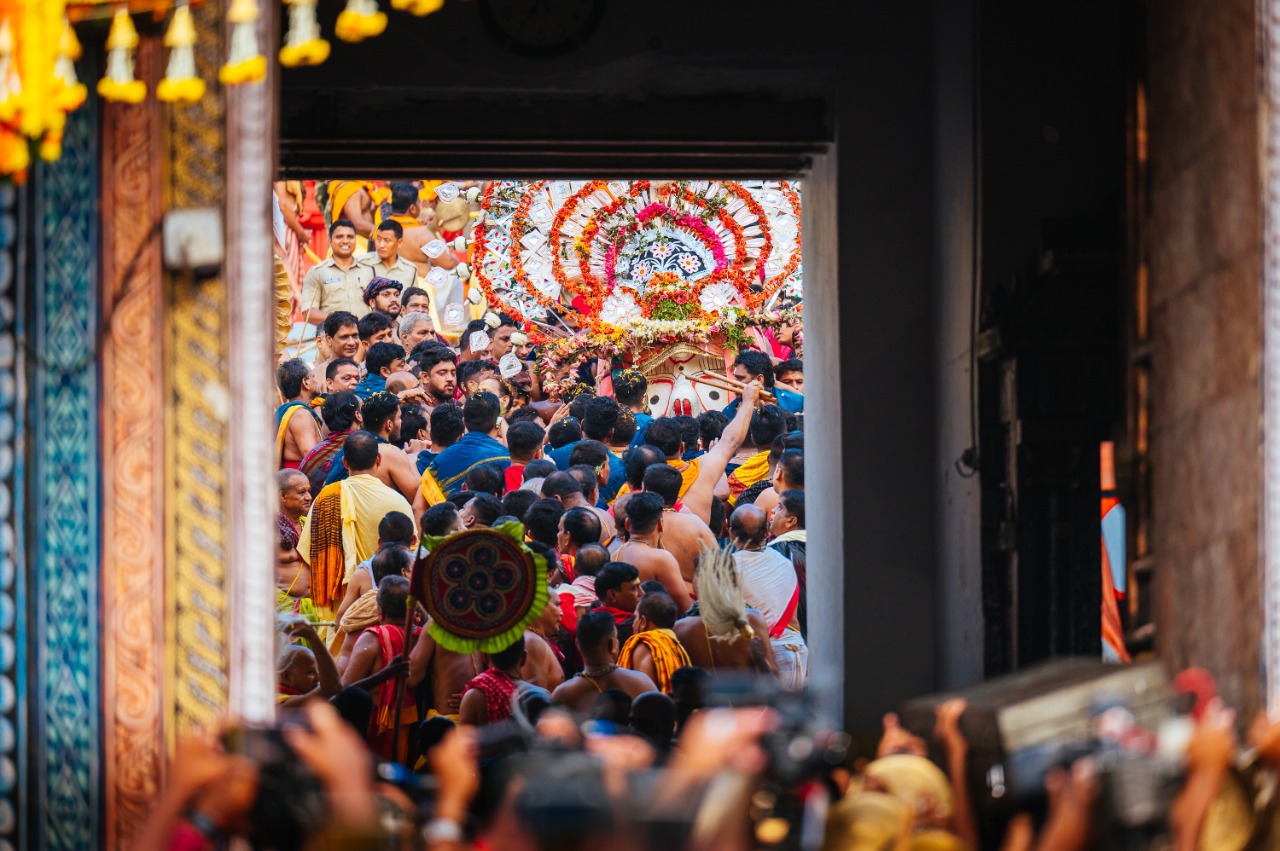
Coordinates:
(1205, 253)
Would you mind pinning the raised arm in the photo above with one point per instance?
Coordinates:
(712, 464)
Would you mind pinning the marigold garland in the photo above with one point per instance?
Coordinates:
(670, 308)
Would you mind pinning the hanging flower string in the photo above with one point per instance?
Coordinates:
(421, 8)
(71, 93)
(118, 84)
(245, 64)
(360, 19)
(302, 43)
(181, 85)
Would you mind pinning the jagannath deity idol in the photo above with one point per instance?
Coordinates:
(669, 278)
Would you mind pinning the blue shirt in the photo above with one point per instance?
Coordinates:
(617, 472)
(370, 385)
(451, 466)
(792, 403)
(642, 429)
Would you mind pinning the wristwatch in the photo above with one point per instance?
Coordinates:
(442, 830)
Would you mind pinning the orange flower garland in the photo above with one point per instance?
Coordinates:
(601, 232)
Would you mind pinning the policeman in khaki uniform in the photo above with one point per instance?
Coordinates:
(337, 283)
(385, 260)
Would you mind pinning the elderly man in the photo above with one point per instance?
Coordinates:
(415, 328)
(770, 585)
(295, 501)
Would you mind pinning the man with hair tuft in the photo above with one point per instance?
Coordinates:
(654, 650)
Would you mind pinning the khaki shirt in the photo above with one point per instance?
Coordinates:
(402, 270)
(327, 287)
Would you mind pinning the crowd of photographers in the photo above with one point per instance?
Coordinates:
(747, 768)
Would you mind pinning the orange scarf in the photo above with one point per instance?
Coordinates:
(328, 563)
(667, 652)
(688, 474)
(754, 470)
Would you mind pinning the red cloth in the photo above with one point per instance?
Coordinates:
(498, 688)
(568, 613)
(391, 644)
(514, 477)
(292, 465)
(619, 616)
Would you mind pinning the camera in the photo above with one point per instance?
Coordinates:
(801, 748)
(290, 803)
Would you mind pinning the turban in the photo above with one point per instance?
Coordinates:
(377, 285)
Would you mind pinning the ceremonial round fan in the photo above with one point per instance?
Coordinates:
(481, 587)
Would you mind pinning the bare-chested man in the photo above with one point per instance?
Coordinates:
(377, 648)
(714, 634)
(644, 548)
(406, 209)
(447, 672)
(293, 576)
(297, 426)
(683, 534)
(597, 640)
(542, 665)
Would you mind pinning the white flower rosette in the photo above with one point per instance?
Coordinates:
(717, 297)
(620, 309)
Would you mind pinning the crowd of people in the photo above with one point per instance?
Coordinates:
(658, 698)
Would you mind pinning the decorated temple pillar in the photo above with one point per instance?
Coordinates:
(133, 472)
(63, 536)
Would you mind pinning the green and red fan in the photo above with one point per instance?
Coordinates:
(482, 587)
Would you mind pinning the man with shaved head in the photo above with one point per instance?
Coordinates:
(770, 585)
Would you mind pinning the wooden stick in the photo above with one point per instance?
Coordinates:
(731, 387)
(402, 681)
